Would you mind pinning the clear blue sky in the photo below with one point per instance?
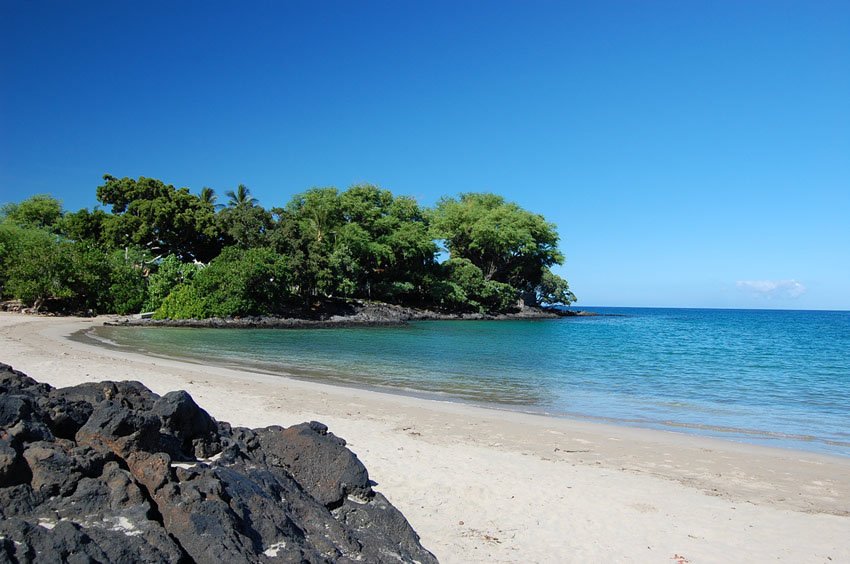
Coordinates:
(691, 153)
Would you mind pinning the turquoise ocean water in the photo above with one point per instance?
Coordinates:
(779, 378)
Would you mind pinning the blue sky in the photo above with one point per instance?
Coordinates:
(692, 154)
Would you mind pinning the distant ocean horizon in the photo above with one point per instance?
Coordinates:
(603, 309)
(764, 376)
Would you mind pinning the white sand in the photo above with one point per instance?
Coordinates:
(484, 485)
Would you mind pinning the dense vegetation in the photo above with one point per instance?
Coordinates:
(185, 255)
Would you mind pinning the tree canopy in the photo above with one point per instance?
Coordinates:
(164, 248)
(41, 212)
(166, 220)
(241, 197)
(508, 243)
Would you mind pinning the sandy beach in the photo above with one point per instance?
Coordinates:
(483, 485)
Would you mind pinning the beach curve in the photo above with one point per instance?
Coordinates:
(488, 485)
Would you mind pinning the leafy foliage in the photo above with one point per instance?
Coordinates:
(363, 242)
(208, 196)
(127, 288)
(241, 198)
(237, 283)
(244, 226)
(184, 302)
(305, 233)
(86, 226)
(464, 287)
(159, 217)
(149, 251)
(38, 212)
(34, 265)
(554, 290)
(170, 273)
(509, 244)
(38, 266)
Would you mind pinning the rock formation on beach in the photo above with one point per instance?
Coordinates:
(111, 472)
(345, 313)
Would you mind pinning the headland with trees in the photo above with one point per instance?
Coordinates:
(183, 255)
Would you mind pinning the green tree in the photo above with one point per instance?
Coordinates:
(169, 273)
(86, 272)
(184, 302)
(86, 226)
(237, 283)
(208, 196)
(363, 242)
(127, 290)
(305, 233)
(159, 217)
(8, 243)
(509, 244)
(244, 222)
(245, 226)
(554, 290)
(389, 241)
(240, 198)
(463, 287)
(35, 265)
(37, 212)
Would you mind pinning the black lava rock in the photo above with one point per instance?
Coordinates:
(111, 472)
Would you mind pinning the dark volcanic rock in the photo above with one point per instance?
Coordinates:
(346, 313)
(111, 472)
(13, 467)
(195, 430)
(318, 460)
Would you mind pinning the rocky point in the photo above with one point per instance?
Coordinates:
(111, 472)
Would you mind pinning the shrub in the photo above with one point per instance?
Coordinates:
(237, 283)
(184, 302)
(463, 287)
(170, 273)
(34, 265)
(127, 287)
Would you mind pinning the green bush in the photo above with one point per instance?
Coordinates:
(554, 290)
(34, 265)
(237, 283)
(37, 266)
(184, 302)
(170, 273)
(463, 287)
(498, 297)
(7, 248)
(127, 286)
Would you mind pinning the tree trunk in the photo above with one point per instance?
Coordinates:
(528, 299)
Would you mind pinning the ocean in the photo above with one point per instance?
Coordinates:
(778, 378)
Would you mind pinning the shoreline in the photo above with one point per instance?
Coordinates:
(351, 313)
(541, 486)
(361, 377)
(763, 437)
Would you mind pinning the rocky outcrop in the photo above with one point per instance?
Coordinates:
(111, 472)
(351, 313)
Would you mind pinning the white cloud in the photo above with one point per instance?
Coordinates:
(773, 288)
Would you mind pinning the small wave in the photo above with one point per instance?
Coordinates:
(92, 334)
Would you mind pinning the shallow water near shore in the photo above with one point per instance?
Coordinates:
(780, 378)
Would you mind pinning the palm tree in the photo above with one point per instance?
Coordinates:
(208, 196)
(241, 198)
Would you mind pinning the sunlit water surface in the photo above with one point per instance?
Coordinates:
(771, 377)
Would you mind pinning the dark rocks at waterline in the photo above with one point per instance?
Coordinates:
(111, 472)
(352, 313)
